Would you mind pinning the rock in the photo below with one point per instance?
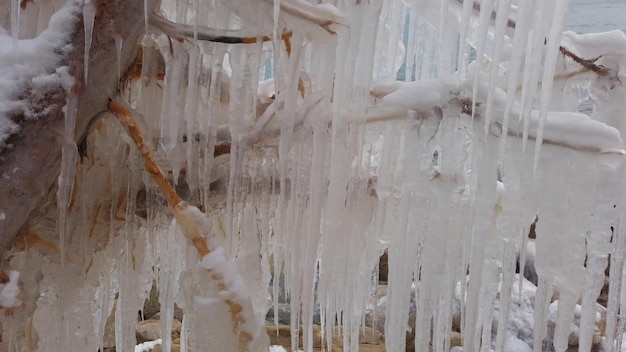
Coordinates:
(521, 314)
(284, 314)
(383, 267)
(456, 339)
(175, 347)
(519, 330)
(150, 330)
(530, 273)
(151, 306)
(381, 291)
(369, 339)
(603, 311)
(573, 339)
(375, 317)
(108, 340)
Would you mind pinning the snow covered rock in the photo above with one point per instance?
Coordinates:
(573, 339)
(519, 331)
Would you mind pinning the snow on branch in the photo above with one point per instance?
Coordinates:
(567, 129)
(33, 71)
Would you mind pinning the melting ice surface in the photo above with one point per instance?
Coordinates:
(306, 178)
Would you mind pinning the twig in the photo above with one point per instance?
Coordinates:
(180, 207)
(182, 31)
(194, 224)
(589, 64)
(146, 152)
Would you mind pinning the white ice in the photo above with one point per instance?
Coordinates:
(301, 181)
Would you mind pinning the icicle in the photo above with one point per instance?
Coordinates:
(502, 18)
(171, 248)
(15, 22)
(522, 25)
(616, 284)
(191, 112)
(411, 52)
(89, 16)
(446, 40)
(465, 22)
(146, 16)
(184, 333)
(486, 8)
(552, 53)
(213, 95)
(119, 41)
(387, 49)
(68, 169)
(173, 106)
(527, 92)
(506, 288)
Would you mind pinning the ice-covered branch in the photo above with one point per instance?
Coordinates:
(293, 15)
(182, 31)
(323, 15)
(568, 129)
(195, 227)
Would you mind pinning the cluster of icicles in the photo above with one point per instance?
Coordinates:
(306, 178)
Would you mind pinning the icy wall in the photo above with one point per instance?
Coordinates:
(284, 123)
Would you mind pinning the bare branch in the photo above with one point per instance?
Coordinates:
(589, 64)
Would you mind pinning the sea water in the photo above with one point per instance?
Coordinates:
(590, 16)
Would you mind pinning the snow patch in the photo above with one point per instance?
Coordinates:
(9, 291)
(147, 346)
(33, 68)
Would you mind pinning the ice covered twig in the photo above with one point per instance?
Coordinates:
(566, 129)
(192, 226)
(127, 119)
(182, 31)
(195, 224)
(233, 292)
(322, 15)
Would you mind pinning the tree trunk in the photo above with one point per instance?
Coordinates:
(31, 162)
